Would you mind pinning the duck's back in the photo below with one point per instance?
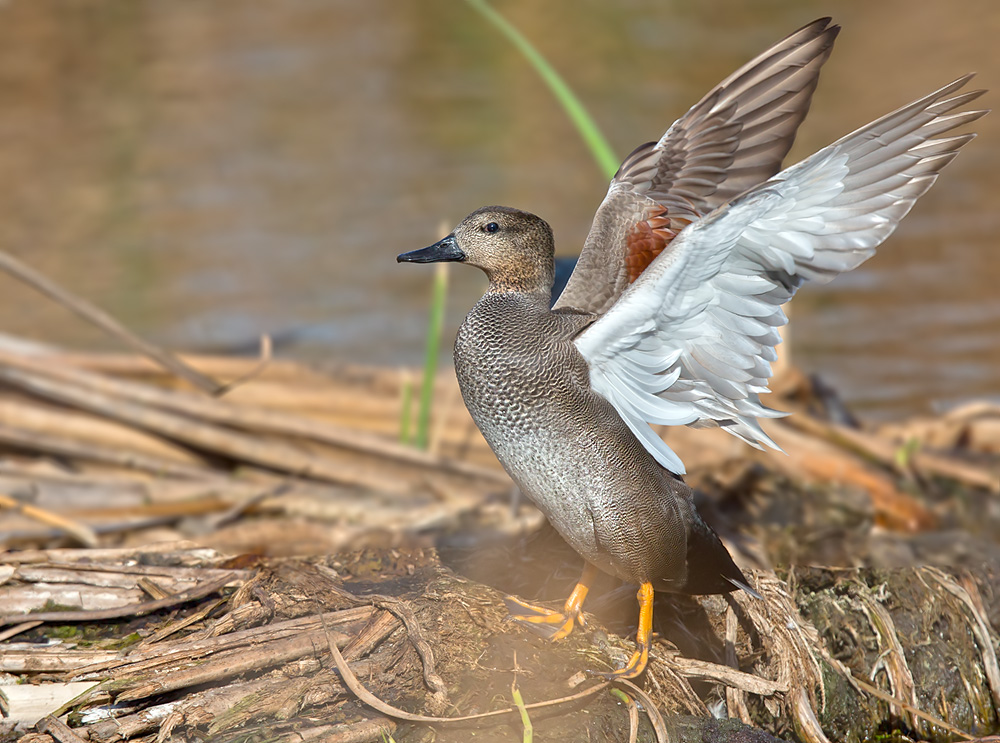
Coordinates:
(528, 390)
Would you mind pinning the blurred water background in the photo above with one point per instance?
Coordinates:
(208, 172)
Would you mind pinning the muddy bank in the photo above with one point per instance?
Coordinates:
(294, 500)
(845, 654)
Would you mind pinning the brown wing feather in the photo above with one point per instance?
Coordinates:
(731, 140)
(648, 238)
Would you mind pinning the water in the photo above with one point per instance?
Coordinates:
(208, 172)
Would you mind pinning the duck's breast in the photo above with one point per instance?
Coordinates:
(528, 391)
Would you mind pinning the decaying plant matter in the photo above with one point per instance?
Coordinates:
(178, 567)
(828, 655)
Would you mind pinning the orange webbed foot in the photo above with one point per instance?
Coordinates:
(643, 639)
(554, 625)
(550, 624)
(633, 669)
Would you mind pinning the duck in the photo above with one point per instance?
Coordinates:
(671, 315)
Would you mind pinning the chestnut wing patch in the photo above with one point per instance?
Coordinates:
(648, 238)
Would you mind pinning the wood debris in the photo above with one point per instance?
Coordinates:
(293, 645)
(133, 503)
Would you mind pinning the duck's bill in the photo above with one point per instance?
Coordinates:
(443, 250)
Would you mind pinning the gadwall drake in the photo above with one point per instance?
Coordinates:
(672, 314)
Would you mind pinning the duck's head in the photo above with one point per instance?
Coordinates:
(514, 248)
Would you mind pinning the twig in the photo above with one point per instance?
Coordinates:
(144, 659)
(730, 677)
(883, 452)
(861, 685)
(380, 625)
(275, 455)
(129, 727)
(81, 532)
(399, 609)
(242, 416)
(173, 558)
(57, 729)
(18, 658)
(200, 504)
(151, 589)
(652, 711)
(892, 658)
(434, 682)
(223, 367)
(633, 713)
(31, 415)
(105, 322)
(242, 506)
(106, 576)
(258, 369)
(73, 449)
(145, 607)
(186, 622)
(133, 525)
(736, 703)
(373, 729)
(129, 685)
(978, 623)
(351, 682)
(916, 712)
(974, 409)
(18, 629)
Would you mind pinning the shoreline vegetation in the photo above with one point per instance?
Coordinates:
(187, 559)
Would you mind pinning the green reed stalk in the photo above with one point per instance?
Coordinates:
(529, 730)
(588, 130)
(431, 349)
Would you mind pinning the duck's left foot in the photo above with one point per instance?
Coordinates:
(552, 625)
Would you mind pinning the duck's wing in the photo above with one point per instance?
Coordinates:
(691, 341)
(731, 140)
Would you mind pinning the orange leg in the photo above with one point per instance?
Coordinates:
(637, 663)
(542, 618)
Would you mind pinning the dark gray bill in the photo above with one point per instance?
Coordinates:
(445, 249)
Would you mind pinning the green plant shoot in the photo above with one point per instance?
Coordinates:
(434, 325)
(591, 134)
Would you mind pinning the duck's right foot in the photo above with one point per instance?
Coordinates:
(550, 624)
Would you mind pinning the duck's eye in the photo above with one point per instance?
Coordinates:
(492, 227)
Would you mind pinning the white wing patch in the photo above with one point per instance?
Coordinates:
(692, 340)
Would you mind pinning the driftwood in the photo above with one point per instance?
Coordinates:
(827, 655)
(103, 320)
(108, 451)
(317, 450)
